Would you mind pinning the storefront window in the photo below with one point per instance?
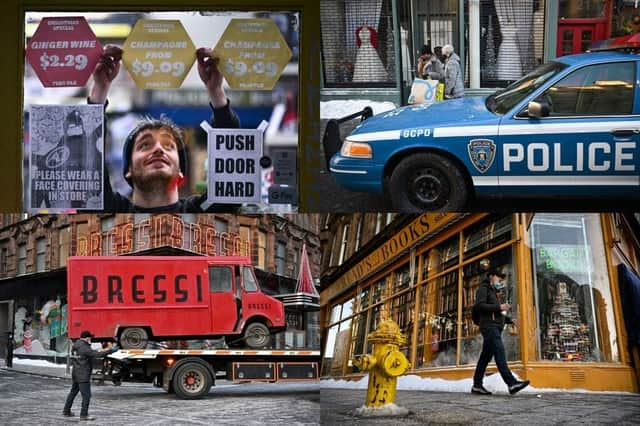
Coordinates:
(338, 339)
(474, 274)
(486, 234)
(572, 289)
(357, 43)
(401, 278)
(511, 35)
(402, 308)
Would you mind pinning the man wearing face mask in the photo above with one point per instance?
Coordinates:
(493, 316)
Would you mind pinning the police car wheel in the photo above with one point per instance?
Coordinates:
(427, 181)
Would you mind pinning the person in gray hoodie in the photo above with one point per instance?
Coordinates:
(83, 357)
(453, 81)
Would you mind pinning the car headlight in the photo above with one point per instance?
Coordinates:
(356, 149)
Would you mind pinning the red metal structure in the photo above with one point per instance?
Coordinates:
(575, 34)
(133, 299)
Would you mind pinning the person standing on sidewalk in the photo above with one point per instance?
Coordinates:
(82, 358)
(493, 316)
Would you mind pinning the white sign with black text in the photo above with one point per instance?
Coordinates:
(234, 164)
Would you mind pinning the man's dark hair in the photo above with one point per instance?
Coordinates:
(163, 122)
(496, 273)
(425, 50)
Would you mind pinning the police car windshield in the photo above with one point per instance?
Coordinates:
(504, 99)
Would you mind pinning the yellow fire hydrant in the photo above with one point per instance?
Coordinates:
(384, 365)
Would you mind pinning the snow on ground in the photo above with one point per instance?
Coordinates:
(338, 109)
(382, 411)
(37, 363)
(492, 383)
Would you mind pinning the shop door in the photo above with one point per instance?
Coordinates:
(6, 327)
(574, 38)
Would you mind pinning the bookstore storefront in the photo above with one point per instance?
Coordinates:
(562, 284)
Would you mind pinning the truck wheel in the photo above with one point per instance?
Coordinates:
(134, 338)
(191, 381)
(427, 181)
(257, 335)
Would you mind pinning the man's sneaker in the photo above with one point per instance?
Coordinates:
(513, 389)
(480, 390)
(68, 413)
(87, 418)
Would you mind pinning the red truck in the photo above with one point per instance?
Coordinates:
(134, 299)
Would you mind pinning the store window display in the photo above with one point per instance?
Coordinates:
(572, 289)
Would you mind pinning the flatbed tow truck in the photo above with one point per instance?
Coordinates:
(190, 373)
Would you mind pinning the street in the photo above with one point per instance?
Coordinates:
(439, 408)
(37, 400)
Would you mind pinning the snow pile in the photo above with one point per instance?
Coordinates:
(339, 109)
(384, 410)
(37, 363)
(492, 383)
(36, 349)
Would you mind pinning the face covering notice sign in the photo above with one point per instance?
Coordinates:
(66, 157)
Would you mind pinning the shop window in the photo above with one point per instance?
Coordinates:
(487, 234)
(572, 289)
(379, 290)
(375, 316)
(510, 32)
(474, 274)
(357, 43)
(363, 299)
(402, 309)
(358, 336)
(605, 89)
(401, 278)
(338, 339)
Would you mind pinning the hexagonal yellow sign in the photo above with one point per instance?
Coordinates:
(252, 54)
(158, 54)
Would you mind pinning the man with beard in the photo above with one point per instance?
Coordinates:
(154, 156)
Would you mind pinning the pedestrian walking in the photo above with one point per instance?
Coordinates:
(82, 357)
(492, 316)
(453, 81)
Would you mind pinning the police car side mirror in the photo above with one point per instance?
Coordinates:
(538, 109)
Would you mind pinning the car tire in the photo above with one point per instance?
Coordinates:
(257, 335)
(427, 181)
(134, 338)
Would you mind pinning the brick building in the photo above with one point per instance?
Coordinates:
(34, 251)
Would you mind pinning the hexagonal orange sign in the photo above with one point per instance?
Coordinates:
(252, 53)
(158, 54)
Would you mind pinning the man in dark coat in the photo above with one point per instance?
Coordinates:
(83, 357)
(154, 154)
(493, 316)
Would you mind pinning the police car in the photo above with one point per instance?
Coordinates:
(571, 127)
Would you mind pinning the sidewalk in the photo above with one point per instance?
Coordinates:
(439, 401)
(438, 408)
(40, 368)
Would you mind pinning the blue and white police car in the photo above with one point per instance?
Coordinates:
(569, 128)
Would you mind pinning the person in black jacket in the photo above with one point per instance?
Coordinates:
(493, 316)
(83, 357)
(154, 153)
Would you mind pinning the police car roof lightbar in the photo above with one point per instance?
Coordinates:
(630, 42)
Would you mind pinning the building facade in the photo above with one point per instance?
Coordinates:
(498, 41)
(564, 273)
(34, 251)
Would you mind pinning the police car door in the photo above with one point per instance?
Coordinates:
(586, 145)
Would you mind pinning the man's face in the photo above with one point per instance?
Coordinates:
(154, 157)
